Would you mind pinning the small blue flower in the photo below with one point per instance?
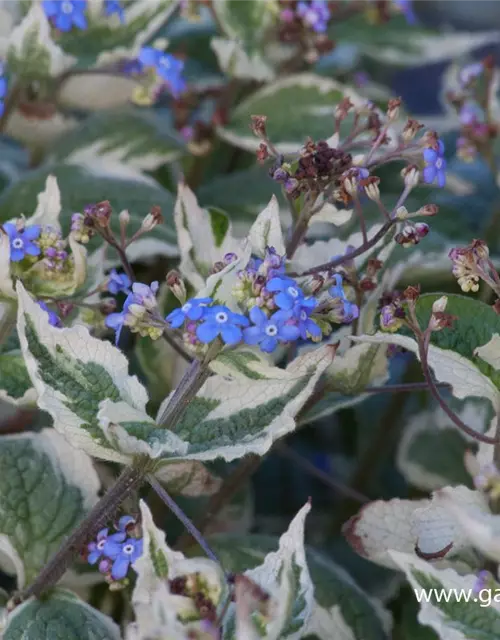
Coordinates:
(118, 282)
(315, 14)
(193, 310)
(288, 292)
(267, 332)
(307, 327)
(167, 67)
(66, 14)
(3, 87)
(114, 6)
(124, 522)
(123, 554)
(221, 321)
(22, 241)
(54, 319)
(350, 310)
(96, 549)
(116, 321)
(436, 165)
(337, 290)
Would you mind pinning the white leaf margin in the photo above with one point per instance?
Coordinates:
(78, 342)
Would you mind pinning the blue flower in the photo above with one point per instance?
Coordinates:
(288, 292)
(124, 522)
(3, 87)
(193, 310)
(118, 282)
(267, 332)
(307, 327)
(116, 321)
(22, 241)
(54, 319)
(315, 14)
(123, 554)
(96, 549)
(221, 321)
(114, 6)
(66, 14)
(167, 67)
(349, 310)
(436, 165)
(405, 6)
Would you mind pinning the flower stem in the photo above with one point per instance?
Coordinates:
(353, 254)
(179, 513)
(191, 383)
(104, 510)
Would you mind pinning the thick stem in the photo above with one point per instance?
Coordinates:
(179, 513)
(104, 510)
(188, 387)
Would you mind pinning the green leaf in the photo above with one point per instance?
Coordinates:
(245, 22)
(452, 620)
(61, 617)
(80, 185)
(452, 352)
(15, 383)
(142, 19)
(135, 137)
(243, 193)
(73, 373)
(45, 489)
(313, 98)
(31, 53)
(431, 452)
(338, 599)
(227, 419)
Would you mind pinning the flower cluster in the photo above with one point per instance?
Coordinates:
(117, 551)
(140, 311)
(477, 129)
(66, 14)
(318, 166)
(471, 264)
(277, 310)
(392, 313)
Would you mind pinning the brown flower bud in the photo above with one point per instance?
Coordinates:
(428, 210)
(152, 220)
(262, 153)
(101, 213)
(393, 108)
(177, 286)
(412, 127)
(258, 126)
(412, 293)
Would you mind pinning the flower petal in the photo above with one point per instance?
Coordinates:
(32, 249)
(112, 549)
(207, 331)
(269, 344)
(149, 56)
(231, 334)
(176, 318)
(252, 335)
(288, 332)
(284, 301)
(257, 316)
(120, 567)
(16, 255)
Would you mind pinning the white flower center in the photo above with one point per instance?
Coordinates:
(100, 544)
(271, 330)
(221, 317)
(66, 7)
(187, 307)
(17, 243)
(303, 315)
(165, 62)
(128, 549)
(293, 292)
(439, 163)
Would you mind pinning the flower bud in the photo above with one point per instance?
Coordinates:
(428, 210)
(422, 229)
(411, 129)
(440, 304)
(177, 286)
(412, 293)
(480, 249)
(411, 176)
(124, 218)
(101, 213)
(371, 188)
(402, 213)
(152, 220)
(258, 126)
(393, 109)
(262, 153)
